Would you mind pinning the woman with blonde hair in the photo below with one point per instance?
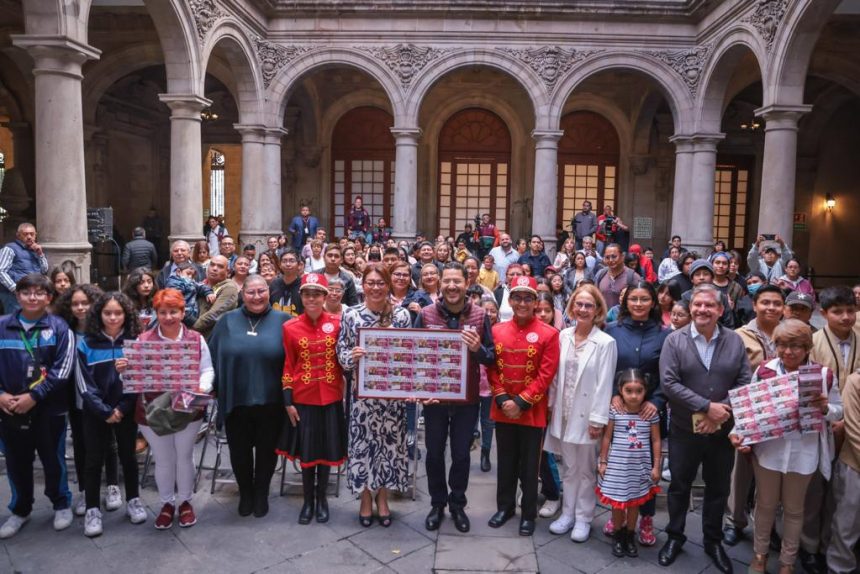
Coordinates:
(579, 400)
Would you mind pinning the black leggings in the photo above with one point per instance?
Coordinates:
(97, 436)
(315, 481)
(76, 423)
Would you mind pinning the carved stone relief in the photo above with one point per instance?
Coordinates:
(687, 63)
(273, 57)
(206, 14)
(550, 62)
(766, 18)
(405, 60)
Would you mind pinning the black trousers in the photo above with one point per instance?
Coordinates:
(76, 424)
(440, 423)
(46, 436)
(252, 435)
(98, 436)
(519, 457)
(716, 456)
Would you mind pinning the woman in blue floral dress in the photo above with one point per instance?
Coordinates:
(377, 428)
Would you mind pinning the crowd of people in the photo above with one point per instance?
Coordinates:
(600, 371)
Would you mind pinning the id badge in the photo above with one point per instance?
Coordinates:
(30, 370)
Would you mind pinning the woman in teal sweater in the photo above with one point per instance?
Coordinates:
(248, 356)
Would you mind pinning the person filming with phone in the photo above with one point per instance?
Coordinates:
(769, 259)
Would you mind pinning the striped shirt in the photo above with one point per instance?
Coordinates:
(704, 347)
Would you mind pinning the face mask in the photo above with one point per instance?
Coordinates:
(754, 288)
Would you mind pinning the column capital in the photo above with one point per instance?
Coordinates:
(56, 54)
(546, 137)
(781, 117)
(251, 133)
(406, 134)
(274, 135)
(185, 106)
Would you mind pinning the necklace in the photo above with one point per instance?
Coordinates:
(253, 326)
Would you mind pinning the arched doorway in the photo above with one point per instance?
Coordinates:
(474, 161)
(587, 164)
(362, 165)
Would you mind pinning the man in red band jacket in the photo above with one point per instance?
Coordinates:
(527, 354)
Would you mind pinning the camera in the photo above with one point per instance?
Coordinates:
(477, 220)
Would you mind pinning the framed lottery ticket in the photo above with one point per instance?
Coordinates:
(412, 364)
(156, 366)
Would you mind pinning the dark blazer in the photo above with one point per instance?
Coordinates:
(689, 387)
(297, 230)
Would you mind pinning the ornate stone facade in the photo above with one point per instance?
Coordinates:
(687, 63)
(550, 62)
(273, 57)
(766, 18)
(405, 60)
(206, 14)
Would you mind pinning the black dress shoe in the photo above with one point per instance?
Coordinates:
(307, 513)
(732, 535)
(261, 504)
(669, 552)
(619, 539)
(499, 518)
(527, 527)
(434, 518)
(246, 503)
(485, 461)
(461, 521)
(718, 556)
(322, 509)
(630, 548)
(810, 562)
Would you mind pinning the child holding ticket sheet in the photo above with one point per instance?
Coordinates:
(784, 466)
(107, 409)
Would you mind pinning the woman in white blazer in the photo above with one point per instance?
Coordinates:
(579, 401)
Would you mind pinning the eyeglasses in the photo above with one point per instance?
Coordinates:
(335, 292)
(523, 298)
(584, 306)
(33, 294)
(791, 346)
(400, 275)
(375, 284)
(257, 293)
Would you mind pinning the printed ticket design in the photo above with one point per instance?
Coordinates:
(158, 366)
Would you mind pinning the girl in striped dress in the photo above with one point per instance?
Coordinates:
(629, 464)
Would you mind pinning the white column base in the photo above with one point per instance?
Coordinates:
(74, 255)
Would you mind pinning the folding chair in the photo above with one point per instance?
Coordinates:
(210, 430)
(285, 484)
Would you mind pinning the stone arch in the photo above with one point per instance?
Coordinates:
(641, 142)
(724, 59)
(613, 114)
(825, 106)
(674, 89)
(338, 109)
(57, 18)
(229, 37)
(521, 73)
(174, 24)
(104, 73)
(282, 84)
(792, 48)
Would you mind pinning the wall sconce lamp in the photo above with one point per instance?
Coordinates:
(829, 202)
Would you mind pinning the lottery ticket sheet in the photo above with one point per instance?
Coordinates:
(157, 366)
(412, 363)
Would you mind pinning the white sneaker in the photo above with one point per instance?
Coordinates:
(581, 531)
(667, 475)
(113, 500)
(93, 522)
(562, 525)
(135, 511)
(63, 519)
(549, 508)
(80, 505)
(12, 525)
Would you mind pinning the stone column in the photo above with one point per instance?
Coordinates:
(776, 209)
(545, 200)
(272, 221)
(699, 235)
(61, 198)
(683, 175)
(253, 190)
(186, 171)
(404, 221)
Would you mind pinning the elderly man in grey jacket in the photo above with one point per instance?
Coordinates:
(699, 364)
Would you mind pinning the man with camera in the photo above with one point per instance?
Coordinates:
(608, 228)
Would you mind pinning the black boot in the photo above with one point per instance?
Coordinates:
(619, 542)
(322, 484)
(485, 461)
(630, 548)
(308, 480)
(261, 500)
(246, 501)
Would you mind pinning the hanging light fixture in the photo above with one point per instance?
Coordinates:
(751, 125)
(208, 115)
(829, 202)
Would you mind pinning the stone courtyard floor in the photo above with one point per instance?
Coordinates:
(224, 542)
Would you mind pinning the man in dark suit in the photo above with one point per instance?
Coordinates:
(302, 227)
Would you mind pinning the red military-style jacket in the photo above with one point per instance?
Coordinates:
(526, 363)
(312, 374)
